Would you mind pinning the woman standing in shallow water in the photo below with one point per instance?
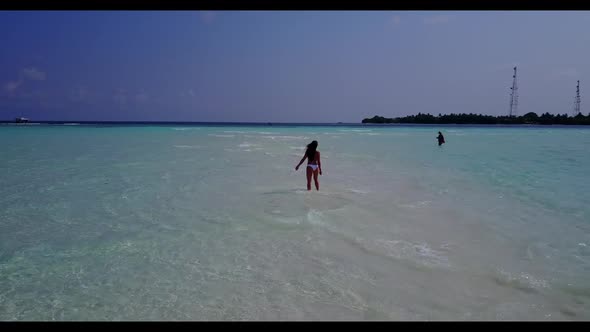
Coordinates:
(441, 139)
(313, 164)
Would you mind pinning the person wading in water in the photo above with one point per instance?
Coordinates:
(314, 165)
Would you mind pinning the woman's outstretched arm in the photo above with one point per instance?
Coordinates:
(301, 162)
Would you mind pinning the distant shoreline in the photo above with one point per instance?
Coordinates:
(279, 124)
(531, 119)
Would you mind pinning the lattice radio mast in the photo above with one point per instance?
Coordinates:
(577, 101)
(513, 96)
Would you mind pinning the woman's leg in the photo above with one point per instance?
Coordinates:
(315, 178)
(309, 172)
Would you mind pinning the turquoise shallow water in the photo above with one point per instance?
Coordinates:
(213, 223)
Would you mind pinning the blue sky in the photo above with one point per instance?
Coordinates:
(289, 66)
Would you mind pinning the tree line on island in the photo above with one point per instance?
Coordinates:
(463, 118)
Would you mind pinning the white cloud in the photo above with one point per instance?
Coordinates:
(437, 19)
(567, 72)
(187, 93)
(33, 74)
(120, 97)
(11, 87)
(207, 16)
(141, 97)
(51, 104)
(80, 94)
(505, 67)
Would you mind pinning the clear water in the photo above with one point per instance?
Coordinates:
(213, 223)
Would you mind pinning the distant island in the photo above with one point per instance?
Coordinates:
(462, 118)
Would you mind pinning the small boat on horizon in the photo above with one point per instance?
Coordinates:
(21, 120)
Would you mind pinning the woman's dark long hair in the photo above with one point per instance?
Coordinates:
(310, 153)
